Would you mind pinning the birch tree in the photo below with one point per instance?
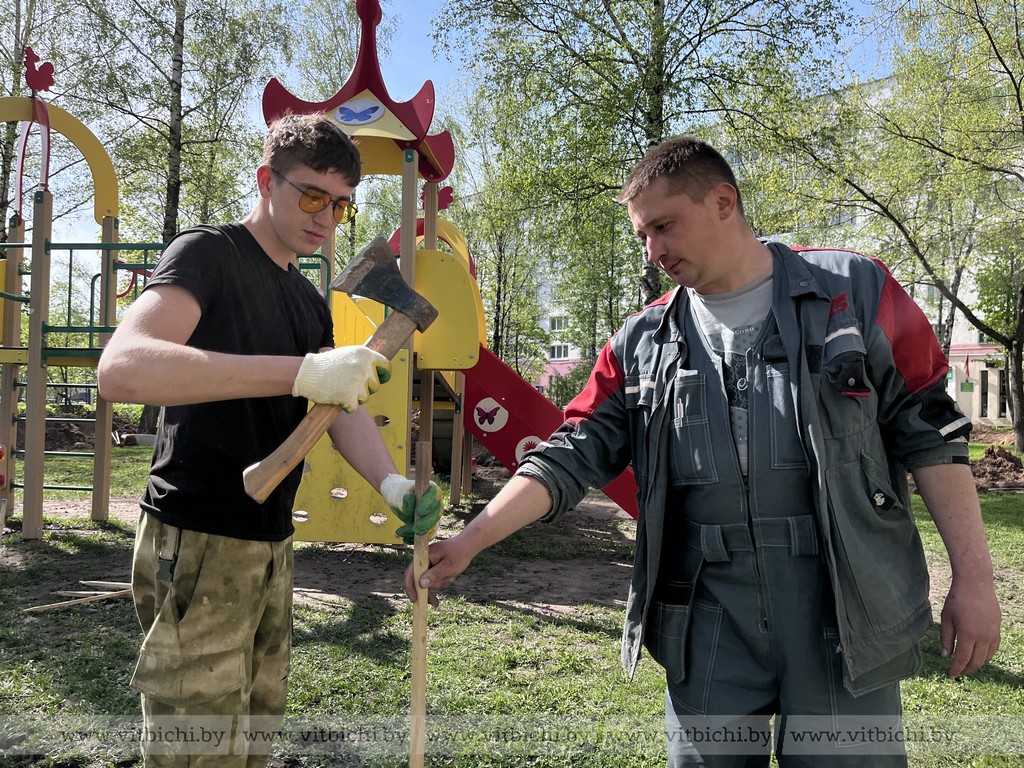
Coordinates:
(928, 159)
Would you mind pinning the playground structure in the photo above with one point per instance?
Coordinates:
(446, 371)
(37, 355)
(448, 368)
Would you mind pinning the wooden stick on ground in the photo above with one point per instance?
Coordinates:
(112, 585)
(79, 601)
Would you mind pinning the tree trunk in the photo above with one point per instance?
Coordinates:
(10, 131)
(657, 83)
(10, 138)
(174, 120)
(148, 420)
(1016, 394)
(498, 334)
(151, 414)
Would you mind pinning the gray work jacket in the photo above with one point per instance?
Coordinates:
(869, 393)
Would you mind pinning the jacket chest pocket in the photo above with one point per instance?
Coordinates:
(786, 449)
(692, 457)
(783, 429)
(846, 392)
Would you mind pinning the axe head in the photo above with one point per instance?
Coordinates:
(374, 274)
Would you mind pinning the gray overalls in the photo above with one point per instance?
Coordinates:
(743, 617)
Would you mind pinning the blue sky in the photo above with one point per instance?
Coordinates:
(411, 60)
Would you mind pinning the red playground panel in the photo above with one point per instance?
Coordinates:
(509, 417)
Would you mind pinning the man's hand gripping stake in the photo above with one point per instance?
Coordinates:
(374, 274)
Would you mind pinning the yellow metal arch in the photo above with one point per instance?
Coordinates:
(19, 108)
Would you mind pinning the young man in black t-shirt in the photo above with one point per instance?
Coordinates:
(232, 341)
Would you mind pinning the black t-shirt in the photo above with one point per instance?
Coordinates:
(250, 306)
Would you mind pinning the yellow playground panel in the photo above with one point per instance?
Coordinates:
(453, 341)
(334, 503)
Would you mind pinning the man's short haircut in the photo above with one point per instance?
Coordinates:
(315, 141)
(690, 165)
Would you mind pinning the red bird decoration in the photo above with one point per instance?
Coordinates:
(39, 78)
(445, 195)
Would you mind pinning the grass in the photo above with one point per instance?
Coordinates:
(129, 466)
(997, 690)
(497, 670)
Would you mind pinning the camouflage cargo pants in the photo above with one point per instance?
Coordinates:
(213, 668)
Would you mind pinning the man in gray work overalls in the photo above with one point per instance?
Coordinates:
(771, 407)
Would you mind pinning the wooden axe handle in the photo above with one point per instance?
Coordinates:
(261, 478)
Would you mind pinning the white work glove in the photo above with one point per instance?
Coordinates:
(420, 516)
(345, 376)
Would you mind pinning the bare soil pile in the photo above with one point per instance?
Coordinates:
(998, 469)
(76, 436)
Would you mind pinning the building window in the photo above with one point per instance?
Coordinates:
(559, 323)
(984, 394)
(1002, 394)
(559, 351)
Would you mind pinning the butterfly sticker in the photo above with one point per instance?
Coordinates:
(359, 112)
(486, 416)
(490, 415)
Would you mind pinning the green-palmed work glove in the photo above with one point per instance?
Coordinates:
(419, 517)
(345, 376)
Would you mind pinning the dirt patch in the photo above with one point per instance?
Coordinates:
(984, 433)
(328, 573)
(998, 469)
(78, 436)
(598, 537)
(593, 567)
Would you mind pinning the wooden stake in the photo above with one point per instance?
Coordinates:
(421, 562)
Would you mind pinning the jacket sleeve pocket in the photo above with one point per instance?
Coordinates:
(845, 355)
(846, 391)
(188, 681)
(847, 375)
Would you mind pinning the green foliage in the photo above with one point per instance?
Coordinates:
(326, 44)
(572, 96)
(999, 277)
(499, 222)
(176, 82)
(130, 412)
(915, 168)
(561, 389)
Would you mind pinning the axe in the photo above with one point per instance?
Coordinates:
(373, 273)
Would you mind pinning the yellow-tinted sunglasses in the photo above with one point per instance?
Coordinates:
(313, 200)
